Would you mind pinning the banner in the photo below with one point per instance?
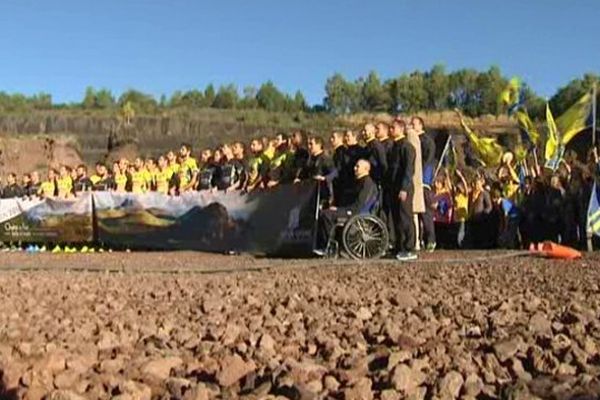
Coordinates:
(279, 221)
(38, 220)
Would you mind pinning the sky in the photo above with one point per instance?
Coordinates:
(159, 46)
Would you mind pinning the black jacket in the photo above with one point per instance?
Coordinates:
(83, 184)
(12, 191)
(377, 157)
(401, 166)
(387, 144)
(428, 158)
(351, 155)
(367, 193)
(317, 165)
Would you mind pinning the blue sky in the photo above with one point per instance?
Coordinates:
(160, 46)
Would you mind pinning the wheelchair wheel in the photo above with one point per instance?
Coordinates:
(365, 237)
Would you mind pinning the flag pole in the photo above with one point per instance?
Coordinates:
(446, 147)
(594, 94)
(589, 233)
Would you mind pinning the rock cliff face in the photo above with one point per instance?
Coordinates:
(21, 155)
(95, 135)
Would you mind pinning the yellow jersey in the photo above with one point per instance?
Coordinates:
(120, 182)
(173, 169)
(190, 167)
(461, 207)
(148, 177)
(138, 182)
(162, 179)
(47, 189)
(65, 186)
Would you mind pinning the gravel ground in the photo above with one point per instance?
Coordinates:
(456, 325)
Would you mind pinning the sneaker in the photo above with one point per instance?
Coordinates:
(430, 248)
(84, 249)
(56, 249)
(43, 249)
(70, 250)
(406, 256)
(30, 249)
(319, 252)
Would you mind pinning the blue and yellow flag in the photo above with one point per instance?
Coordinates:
(529, 133)
(554, 145)
(593, 216)
(511, 95)
(577, 118)
(488, 150)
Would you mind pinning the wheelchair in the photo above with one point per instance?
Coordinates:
(363, 236)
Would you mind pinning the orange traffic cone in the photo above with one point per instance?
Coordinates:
(553, 250)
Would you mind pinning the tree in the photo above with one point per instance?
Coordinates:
(570, 93)
(463, 91)
(341, 95)
(89, 99)
(227, 97)
(142, 102)
(248, 101)
(93, 99)
(408, 93)
(41, 101)
(299, 102)
(175, 100)
(490, 84)
(127, 112)
(373, 95)
(270, 98)
(536, 105)
(193, 98)
(438, 88)
(209, 95)
(105, 99)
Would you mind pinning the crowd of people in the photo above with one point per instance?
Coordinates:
(387, 168)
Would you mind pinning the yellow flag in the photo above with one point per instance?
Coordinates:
(510, 95)
(553, 141)
(576, 119)
(530, 132)
(488, 149)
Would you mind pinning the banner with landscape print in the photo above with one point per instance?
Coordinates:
(46, 221)
(280, 221)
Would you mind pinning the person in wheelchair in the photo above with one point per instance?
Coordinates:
(367, 194)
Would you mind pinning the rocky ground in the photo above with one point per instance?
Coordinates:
(496, 327)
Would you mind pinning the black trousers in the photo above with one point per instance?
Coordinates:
(403, 223)
(327, 220)
(427, 217)
(387, 215)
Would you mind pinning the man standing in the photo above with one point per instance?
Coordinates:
(375, 153)
(352, 154)
(428, 162)
(32, 189)
(189, 167)
(12, 188)
(337, 144)
(383, 135)
(255, 164)
(301, 153)
(320, 168)
(402, 159)
(83, 183)
(366, 194)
